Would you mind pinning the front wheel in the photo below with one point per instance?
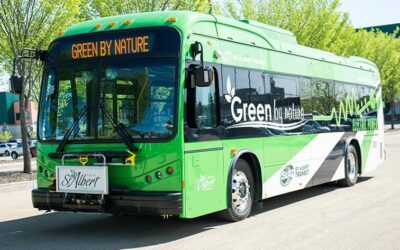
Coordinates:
(242, 193)
(6, 153)
(351, 168)
(14, 155)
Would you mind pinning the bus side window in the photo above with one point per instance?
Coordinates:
(205, 109)
(201, 105)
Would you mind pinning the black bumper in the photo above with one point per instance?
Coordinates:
(149, 203)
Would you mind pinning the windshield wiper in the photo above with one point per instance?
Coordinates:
(72, 129)
(121, 130)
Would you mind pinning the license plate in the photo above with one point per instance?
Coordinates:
(79, 179)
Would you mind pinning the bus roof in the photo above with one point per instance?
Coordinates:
(272, 37)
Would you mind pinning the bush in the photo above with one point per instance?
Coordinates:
(5, 136)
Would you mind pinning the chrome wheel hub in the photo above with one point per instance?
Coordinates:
(240, 192)
(351, 166)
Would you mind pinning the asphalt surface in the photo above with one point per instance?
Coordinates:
(8, 164)
(366, 216)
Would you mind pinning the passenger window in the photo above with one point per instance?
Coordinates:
(206, 107)
(243, 85)
(258, 88)
(228, 82)
(285, 94)
(324, 98)
(306, 97)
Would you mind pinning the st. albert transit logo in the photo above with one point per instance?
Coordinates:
(287, 175)
(262, 115)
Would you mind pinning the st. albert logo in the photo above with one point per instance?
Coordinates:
(262, 115)
(287, 175)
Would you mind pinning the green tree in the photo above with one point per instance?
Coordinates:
(5, 136)
(31, 23)
(384, 50)
(102, 8)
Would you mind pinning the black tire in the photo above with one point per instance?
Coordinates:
(6, 153)
(14, 155)
(351, 168)
(236, 212)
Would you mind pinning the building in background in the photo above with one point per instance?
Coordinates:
(10, 114)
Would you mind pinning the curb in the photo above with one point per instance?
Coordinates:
(12, 186)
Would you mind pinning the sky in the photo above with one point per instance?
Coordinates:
(3, 78)
(367, 13)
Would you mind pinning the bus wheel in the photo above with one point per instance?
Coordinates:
(242, 193)
(351, 168)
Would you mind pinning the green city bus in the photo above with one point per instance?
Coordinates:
(186, 114)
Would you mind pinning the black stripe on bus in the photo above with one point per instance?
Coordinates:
(331, 163)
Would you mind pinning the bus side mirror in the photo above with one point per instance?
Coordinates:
(16, 84)
(203, 76)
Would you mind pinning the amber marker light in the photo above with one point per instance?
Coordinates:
(112, 24)
(127, 22)
(171, 19)
(98, 25)
(170, 170)
(60, 33)
(234, 151)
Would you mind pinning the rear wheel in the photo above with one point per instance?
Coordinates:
(14, 155)
(351, 168)
(242, 193)
(6, 153)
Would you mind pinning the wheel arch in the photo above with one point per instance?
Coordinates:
(355, 143)
(250, 157)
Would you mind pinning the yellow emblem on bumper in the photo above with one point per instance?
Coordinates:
(131, 158)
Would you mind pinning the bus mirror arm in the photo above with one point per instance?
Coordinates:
(31, 54)
(202, 76)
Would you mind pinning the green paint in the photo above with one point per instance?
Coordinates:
(280, 149)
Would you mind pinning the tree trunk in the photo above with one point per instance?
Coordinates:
(393, 109)
(24, 133)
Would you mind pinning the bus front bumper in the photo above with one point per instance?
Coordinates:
(149, 203)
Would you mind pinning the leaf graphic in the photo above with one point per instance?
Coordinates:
(229, 86)
(233, 92)
(228, 98)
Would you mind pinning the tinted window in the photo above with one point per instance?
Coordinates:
(285, 95)
(258, 88)
(205, 107)
(306, 96)
(323, 96)
(243, 85)
(228, 83)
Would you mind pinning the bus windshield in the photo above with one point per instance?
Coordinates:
(99, 84)
(137, 94)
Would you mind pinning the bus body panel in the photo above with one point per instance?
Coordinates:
(288, 161)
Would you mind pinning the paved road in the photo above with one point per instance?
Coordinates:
(366, 216)
(8, 164)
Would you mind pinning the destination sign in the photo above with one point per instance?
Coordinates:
(143, 43)
(112, 47)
